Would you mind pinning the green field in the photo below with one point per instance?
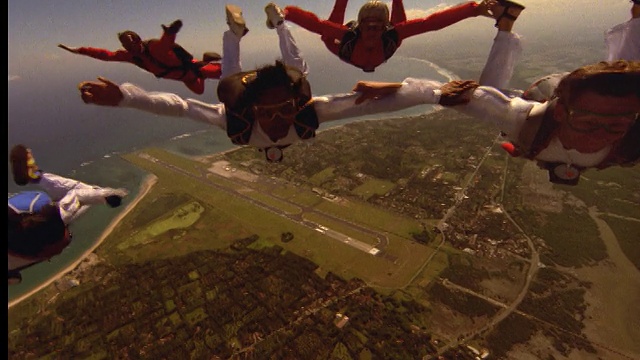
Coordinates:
(214, 218)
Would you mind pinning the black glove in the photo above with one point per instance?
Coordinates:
(173, 28)
(113, 200)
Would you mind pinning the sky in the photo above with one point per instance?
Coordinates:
(36, 27)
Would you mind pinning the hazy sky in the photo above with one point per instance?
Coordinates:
(36, 27)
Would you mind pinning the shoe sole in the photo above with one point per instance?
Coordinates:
(234, 14)
(235, 20)
(269, 10)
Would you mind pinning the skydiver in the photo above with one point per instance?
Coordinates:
(567, 122)
(623, 40)
(38, 221)
(162, 57)
(375, 36)
(269, 108)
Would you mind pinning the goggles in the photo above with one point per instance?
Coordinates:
(286, 109)
(585, 121)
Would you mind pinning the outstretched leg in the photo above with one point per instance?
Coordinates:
(291, 54)
(506, 48)
(336, 16)
(337, 13)
(231, 41)
(231, 54)
(398, 14)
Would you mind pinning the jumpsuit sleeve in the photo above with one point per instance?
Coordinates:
(169, 104)
(436, 21)
(106, 55)
(413, 92)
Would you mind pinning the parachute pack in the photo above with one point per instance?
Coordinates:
(29, 201)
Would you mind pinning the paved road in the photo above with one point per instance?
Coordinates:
(533, 261)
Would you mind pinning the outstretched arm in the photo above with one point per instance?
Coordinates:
(374, 90)
(484, 103)
(372, 97)
(76, 202)
(100, 54)
(69, 49)
(74, 197)
(107, 93)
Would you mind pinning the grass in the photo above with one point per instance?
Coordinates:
(322, 176)
(373, 187)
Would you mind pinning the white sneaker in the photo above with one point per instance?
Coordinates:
(235, 20)
(275, 16)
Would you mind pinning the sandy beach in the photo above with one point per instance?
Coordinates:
(147, 184)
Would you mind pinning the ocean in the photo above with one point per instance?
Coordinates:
(83, 142)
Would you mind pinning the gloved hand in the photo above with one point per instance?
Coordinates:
(174, 27)
(116, 199)
(457, 92)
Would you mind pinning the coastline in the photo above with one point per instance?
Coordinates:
(146, 185)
